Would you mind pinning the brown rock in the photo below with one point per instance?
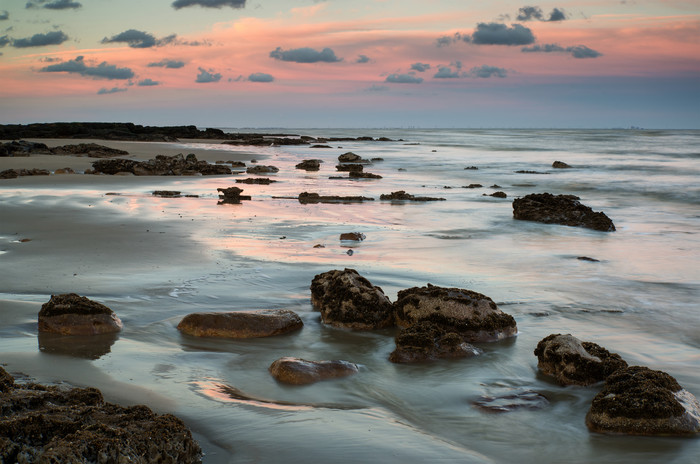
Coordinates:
(52, 425)
(560, 165)
(475, 317)
(311, 198)
(310, 165)
(350, 167)
(231, 195)
(573, 362)
(261, 169)
(363, 175)
(356, 236)
(560, 209)
(346, 299)
(426, 341)
(640, 401)
(255, 180)
(298, 371)
(350, 157)
(401, 195)
(71, 314)
(167, 193)
(241, 324)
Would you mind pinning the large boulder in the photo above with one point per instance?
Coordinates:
(297, 371)
(72, 314)
(641, 401)
(52, 425)
(573, 362)
(560, 209)
(241, 324)
(426, 341)
(475, 317)
(346, 299)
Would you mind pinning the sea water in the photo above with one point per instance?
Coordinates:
(637, 295)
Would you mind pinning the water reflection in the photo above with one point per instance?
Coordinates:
(79, 346)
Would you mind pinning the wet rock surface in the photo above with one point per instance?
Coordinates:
(297, 371)
(640, 401)
(401, 195)
(573, 362)
(560, 165)
(427, 341)
(15, 173)
(23, 148)
(262, 169)
(351, 157)
(241, 324)
(363, 175)
(309, 165)
(497, 195)
(560, 209)
(92, 150)
(231, 195)
(72, 314)
(346, 299)
(256, 180)
(167, 193)
(354, 236)
(350, 167)
(52, 425)
(307, 197)
(161, 165)
(475, 317)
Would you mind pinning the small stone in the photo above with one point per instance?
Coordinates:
(241, 324)
(297, 371)
(71, 314)
(560, 165)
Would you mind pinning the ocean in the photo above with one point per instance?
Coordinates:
(637, 295)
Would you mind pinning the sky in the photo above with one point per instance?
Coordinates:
(352, 63)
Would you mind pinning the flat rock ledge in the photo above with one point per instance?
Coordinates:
(401, 195)
(573, 362)
(297, 371)
(313, 198)
(560, 209)
(426, 341)
(52, 425)
(475, 317)
(346, 299)
(72, 314)
(641, 401)
(161, 165)
(241, 324)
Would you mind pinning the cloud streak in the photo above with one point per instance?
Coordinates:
(54, 5)
(485, 72)
(41, 40)
(169, 64)
(532, 13)
(260, 77)
(78, 66)
(134, 38)
(305, 55)
(403, 79)
(147, 82)
(578, 51)
(105, 91)
(177, 4)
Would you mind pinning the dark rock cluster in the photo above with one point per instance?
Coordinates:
(161, 165)
(560, 209)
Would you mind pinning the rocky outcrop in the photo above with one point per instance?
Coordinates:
(52, 425)
(560, 209)
(255, 180)
(354, 236)
(472, 186)
(475, 317)
(351, 157)
(309, 165)
(161, 165)
(401, 195)
(261, 169)
(72, 314)
(231, 195)
(241, 324)
(15, 173)
(640, 401)
(23, 148)
(346, 299)
(307, 197)
(427, 341)
(167, 193)
(92, 150)
(363, 175)
(350, 167)
(573, 362)
(560, 165)
(498, 194)
(297, 371)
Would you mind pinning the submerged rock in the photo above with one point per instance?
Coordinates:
(167, 193)
(510, 402)
(297, 371)
(307, 197)
(363, 175)
(427, 341)
(53, 425)
(640, 401)
(71, 314)
(560, 165)
(573, 362)
(231, 195)
(350, 167)
(346, 299)
(261, 169)
(560, 209)
(241, 324)
(401, 195)
(310, 165)
(498, 194)
(475, 317)
(256, 180)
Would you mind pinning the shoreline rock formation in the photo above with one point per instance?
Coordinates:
(560, 209)
(241, 324)
(71, 314)
(401, 195)
(161, 165)
(427, 341)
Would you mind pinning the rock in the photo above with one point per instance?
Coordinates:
(92, 150)
(401, 195)
(64, 171)
(306, 198)
(310, 165)
(51, 424)
(167, 193)
(255, 180)
(586, 258)
(9, 174)
(113, 166)
(377, 160)
(573, 362)
(241, 324)
(495, 186)
(497, 195)
(530, 172)
(161, 165)
(231, 195)
(510, 402)
(475, 317)
(321, 146)
(355, 236)
(346, 299)
(426, 341)
(560, 209)
(350, 167)
(560, 165)
(473, 168)
(363, 175)
(71, 314)
(640, 401)
(297, 371)
(261, 169)
(351, 157)
(14, 173)
(471, 186)
(23, 148)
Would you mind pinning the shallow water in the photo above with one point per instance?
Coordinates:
(639, 299)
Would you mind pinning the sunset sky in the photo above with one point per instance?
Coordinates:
(359, 63)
